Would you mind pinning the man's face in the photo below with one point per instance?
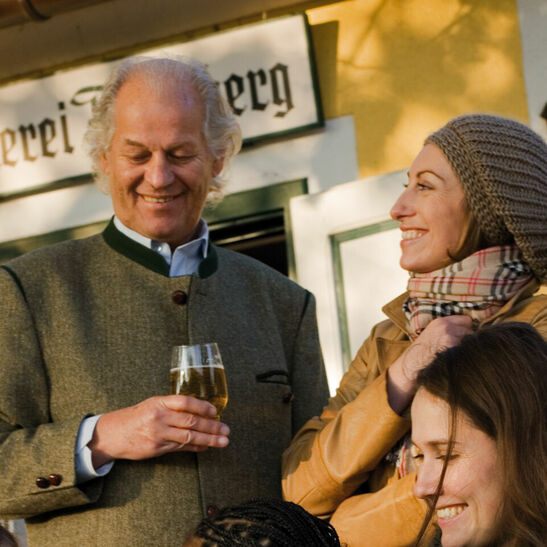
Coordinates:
(159, 165)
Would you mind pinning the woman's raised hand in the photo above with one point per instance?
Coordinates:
(440, 334)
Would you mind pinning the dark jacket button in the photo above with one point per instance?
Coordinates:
(288, 397)
(212, 510)
(42, 482)
(54, 479)
(179, 297)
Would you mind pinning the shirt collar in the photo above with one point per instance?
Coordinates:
(194, 249)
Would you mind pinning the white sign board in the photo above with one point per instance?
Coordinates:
(264, 70)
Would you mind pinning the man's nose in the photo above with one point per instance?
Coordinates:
(159, 172)
(427, 481)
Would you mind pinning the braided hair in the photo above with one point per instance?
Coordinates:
(266, 523)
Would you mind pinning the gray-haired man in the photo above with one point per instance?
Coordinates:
(92, 450)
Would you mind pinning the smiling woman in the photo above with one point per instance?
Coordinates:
(474, 242)
(471, 418)
(433, 192)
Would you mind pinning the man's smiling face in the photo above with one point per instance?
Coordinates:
(159, 165)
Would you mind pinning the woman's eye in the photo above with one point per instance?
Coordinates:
(445, 457)
(422, 186)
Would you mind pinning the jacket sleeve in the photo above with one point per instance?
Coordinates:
(531, 310)
(331, 456)
(391, 517)
(308, 377)
(32, 444)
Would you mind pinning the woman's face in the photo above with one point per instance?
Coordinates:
(431, 212)
(471, 495)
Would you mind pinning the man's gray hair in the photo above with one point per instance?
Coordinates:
(220, 128)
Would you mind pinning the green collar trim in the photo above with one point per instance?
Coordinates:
(150, 259)
(209, 265)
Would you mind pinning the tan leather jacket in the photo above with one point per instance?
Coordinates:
(344, 449)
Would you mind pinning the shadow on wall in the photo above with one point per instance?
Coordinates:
(405, 67)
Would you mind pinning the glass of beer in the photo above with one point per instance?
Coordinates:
(198, 371)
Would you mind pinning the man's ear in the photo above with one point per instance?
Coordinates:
(104, 164)
(218, 164)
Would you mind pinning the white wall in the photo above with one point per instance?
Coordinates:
(326, 158)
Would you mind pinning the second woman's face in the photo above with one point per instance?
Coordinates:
(469, 501)
(431, 212)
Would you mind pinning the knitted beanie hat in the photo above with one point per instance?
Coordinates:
(502, 165)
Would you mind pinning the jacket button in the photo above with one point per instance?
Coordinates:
(42, 482)
(212, 510)
(179, 297)
(54, 479)
(288, 397)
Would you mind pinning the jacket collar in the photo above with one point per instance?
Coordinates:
(149, 258)
(394, 309)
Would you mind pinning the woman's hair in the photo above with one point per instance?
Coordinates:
(220, 128)
(502, 166)
(265, 523)
(472, 240)
(497, 378)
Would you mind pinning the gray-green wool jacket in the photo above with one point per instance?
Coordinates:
(87, 327)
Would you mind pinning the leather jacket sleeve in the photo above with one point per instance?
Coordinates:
(391, 517)
(333, 455)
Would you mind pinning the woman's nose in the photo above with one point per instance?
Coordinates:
(402, 207)
(159, 172)
(427, 481)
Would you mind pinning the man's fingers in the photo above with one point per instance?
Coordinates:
(190, 440)
(193, 422)
(183, 403)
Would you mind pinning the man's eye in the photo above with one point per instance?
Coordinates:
(180, 157)
(139, 158)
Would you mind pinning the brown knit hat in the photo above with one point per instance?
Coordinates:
(502, 165)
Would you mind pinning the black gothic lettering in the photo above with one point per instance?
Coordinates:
(86, 95)
(44, 139)
(232, 95)
(7, 134)
(285, 98)
(251, 76)
(24, 138)
(68, 148)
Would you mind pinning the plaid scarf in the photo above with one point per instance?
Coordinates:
(477, 286)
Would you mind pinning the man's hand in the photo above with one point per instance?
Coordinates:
(156, 426)
(440, 334)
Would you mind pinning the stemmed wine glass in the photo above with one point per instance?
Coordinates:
(198, 371)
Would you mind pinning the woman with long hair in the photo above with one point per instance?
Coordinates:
(474, 241)
(479, 433)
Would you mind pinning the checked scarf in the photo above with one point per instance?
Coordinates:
(477, 286)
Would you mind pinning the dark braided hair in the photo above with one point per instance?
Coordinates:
(266, 523)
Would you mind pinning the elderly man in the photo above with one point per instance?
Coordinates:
(93, 450)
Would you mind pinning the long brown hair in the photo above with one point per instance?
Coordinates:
(497, 377)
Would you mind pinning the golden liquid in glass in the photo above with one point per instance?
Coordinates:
(206, 383)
